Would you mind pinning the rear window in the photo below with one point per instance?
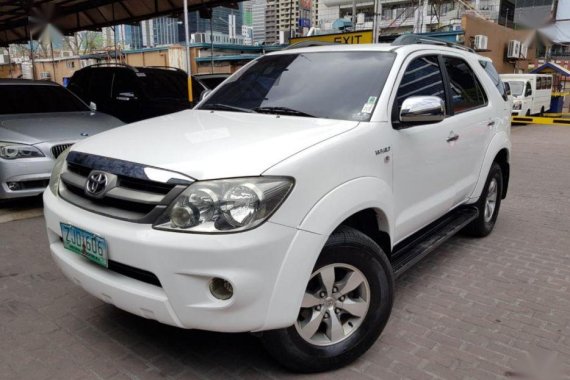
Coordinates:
(16, 99)
(164, 84)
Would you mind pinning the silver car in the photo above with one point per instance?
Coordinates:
(38, 121)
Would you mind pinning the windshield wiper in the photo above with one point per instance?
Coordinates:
(225, 107)
(282, 111)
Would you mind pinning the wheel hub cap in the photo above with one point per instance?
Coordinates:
(334, 306)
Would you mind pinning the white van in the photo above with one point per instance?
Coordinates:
(531, 93)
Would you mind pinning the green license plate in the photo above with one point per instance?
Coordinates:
(85, 243)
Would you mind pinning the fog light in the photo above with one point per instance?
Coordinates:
(14, 186)
(221, 289)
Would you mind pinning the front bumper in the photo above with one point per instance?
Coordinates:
(266, 295)
(31, 175)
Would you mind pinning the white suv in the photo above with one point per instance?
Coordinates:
(291, 198)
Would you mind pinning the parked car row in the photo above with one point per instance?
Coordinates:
(39, 119)
(137, 93)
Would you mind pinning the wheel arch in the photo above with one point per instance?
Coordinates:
(503, 159)
(497, 151)
(361, 200)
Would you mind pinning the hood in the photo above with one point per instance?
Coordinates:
(213, 144)
(46, 127)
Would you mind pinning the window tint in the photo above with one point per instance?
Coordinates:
(466, 91)
(164, 84)
(100, 84)
(494, 75)
(16, 99)
(333, 85)
(422, 77)
(124, 84)
(528, 90)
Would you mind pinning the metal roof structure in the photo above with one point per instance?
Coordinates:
(20, 17)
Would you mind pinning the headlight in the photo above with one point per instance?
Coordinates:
(11, 151)
(56, 172)
(227, 205)
(517, 106)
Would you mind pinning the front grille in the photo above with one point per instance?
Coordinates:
(56, 150)
(130, 195)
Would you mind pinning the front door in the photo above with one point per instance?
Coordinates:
(424, 171)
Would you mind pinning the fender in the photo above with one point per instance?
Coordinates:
(500, 141)
(323, 218)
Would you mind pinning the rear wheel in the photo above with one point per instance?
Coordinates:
(346, 305)
(488, 204)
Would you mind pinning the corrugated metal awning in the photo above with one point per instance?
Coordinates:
(18, 17)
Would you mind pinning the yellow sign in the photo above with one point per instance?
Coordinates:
(360, 37)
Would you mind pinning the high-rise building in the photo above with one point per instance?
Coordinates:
(289, 18)
(258, 20)
(160, 31)
(221, 22)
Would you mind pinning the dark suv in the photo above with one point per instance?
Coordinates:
(135, 93)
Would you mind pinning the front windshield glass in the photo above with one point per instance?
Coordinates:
(15, 99)
(517, 88)
(332, 85)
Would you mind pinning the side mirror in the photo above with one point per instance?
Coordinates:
(92, 107)
(422, 110)
(205, 94)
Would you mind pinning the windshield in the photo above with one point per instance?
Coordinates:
(517, 87)
(15, 98)
(24, 98)
(332, 85)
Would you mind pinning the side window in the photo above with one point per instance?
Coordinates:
(528, 90)
(494, 75)
(549, 83)
(422, 77)
(124, 84)
(539, 83)
(100, 84)
(466, 91)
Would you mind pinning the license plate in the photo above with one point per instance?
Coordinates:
(85, 243)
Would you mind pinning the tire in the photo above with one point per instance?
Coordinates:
(346, 250)
(483, 225)
(527, 112)
(541, 112)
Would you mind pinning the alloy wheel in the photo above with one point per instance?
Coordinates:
(334, 305)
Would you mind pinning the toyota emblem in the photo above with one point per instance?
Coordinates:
(96, 183)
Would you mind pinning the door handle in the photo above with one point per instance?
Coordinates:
(491, 124)
(452, 137)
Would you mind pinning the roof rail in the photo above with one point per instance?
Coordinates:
(113, 64)
(171, 68)
(309, 43)
(410, 39)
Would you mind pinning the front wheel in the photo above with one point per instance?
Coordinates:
(346, 305)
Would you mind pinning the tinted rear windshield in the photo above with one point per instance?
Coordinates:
(16, 98)
(164, 84)
(332, 85)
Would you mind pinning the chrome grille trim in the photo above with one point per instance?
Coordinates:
(56, 150)
(130, 197)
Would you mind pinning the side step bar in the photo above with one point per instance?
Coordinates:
(416, 247)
